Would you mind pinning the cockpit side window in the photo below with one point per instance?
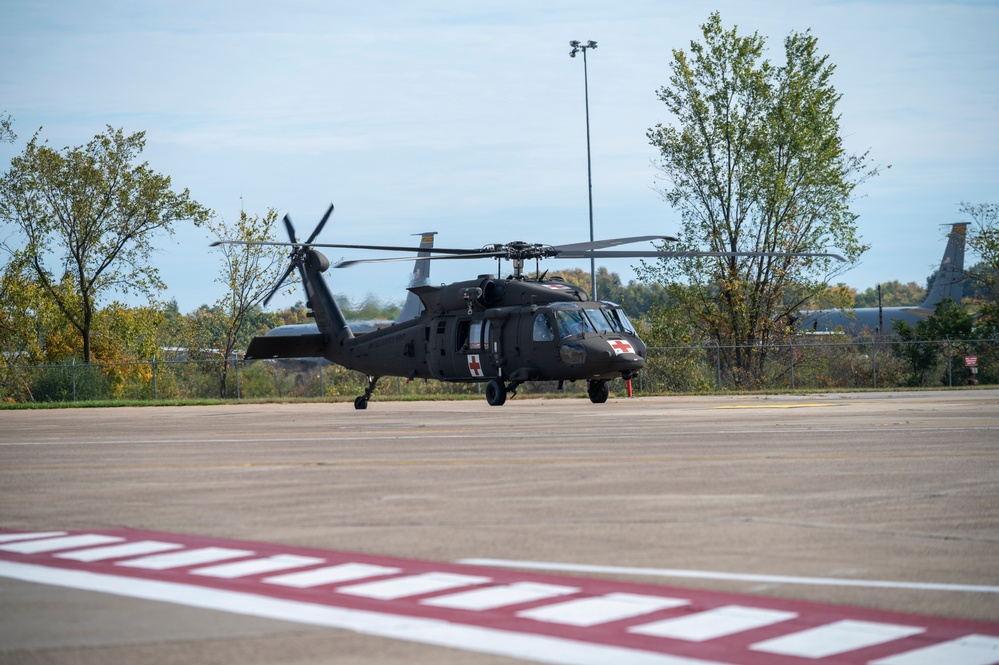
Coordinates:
(619, 320)
(542, 328)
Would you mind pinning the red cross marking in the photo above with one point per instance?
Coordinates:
(474, 366)
(621, 346)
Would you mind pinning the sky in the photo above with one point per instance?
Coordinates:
(469, 118)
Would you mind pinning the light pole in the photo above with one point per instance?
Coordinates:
(576, 48)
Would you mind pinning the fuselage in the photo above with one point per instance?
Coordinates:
(514, 329)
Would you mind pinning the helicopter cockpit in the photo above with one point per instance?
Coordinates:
(572, 320)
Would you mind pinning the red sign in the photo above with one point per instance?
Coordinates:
(971, 361)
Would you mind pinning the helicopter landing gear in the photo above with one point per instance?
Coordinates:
(361, 401)
(598, 391)
(495, 392)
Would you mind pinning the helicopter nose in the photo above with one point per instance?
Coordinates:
(627, 362)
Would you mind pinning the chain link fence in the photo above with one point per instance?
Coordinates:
(809, 365)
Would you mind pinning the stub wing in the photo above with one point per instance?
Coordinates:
(286, 346)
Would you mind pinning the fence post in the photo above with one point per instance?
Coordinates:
(792, 365)
(718, 362)
(950, 367)
(236, 363)
(874, 361)
(155, 392)
(74, 379)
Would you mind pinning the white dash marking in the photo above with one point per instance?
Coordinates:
(10, 537)
(968, 650)
(835, 638)
(256, 566)
(493, 597)
(119, 551)
(63, 543)
(412, 585)
(714, 623)
(344, 572)
(479, 639)
(601, 609)
(185, 558)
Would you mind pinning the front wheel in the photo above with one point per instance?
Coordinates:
(361, 402)
(495, 392)
(598, 391)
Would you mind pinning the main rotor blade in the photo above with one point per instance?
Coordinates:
(613, 254)
(611, 242)
(481, 255)
(322, 223)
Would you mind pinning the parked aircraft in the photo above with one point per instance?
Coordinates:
(948, 284)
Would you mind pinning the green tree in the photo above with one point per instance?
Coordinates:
(94, 212)
(893, 294)
(249, 271)
(636, 298)
(754, 161)
(984, 241)
(920, 343)
(7, 134)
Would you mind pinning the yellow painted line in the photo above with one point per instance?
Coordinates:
(778, 406)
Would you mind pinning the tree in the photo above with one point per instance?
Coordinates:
(984, 240)
(920, 343)
(95, 212)
(7, 134)
(248, 272)
(753, 162)
(636, 298)
(893, 294)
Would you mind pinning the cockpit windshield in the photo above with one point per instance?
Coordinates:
(571, 320)
(618, 319)
(599, 320)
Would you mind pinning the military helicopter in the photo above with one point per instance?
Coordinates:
(500, 331)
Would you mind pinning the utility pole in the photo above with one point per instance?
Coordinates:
(576, 48)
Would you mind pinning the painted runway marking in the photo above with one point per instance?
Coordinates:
(776, 406)
(495, 610)
(836, 638)
(500, 596)
(346, 572)
(713, 624)
(718, 575)
(603, 609)
(61, 543)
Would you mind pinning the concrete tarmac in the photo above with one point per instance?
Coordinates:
(864, 486)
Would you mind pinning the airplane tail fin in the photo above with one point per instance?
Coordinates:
(949, 281)
(421, 277)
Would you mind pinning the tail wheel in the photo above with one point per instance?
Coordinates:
(598, 391)
(495, 392)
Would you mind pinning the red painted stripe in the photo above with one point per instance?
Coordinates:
(450, 578)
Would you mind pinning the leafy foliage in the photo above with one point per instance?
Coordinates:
(893, 294)
(753, 162)
(95, 211)
(636, 298)
(984, 241)
(248, 271)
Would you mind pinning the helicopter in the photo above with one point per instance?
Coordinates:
(499, 331)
